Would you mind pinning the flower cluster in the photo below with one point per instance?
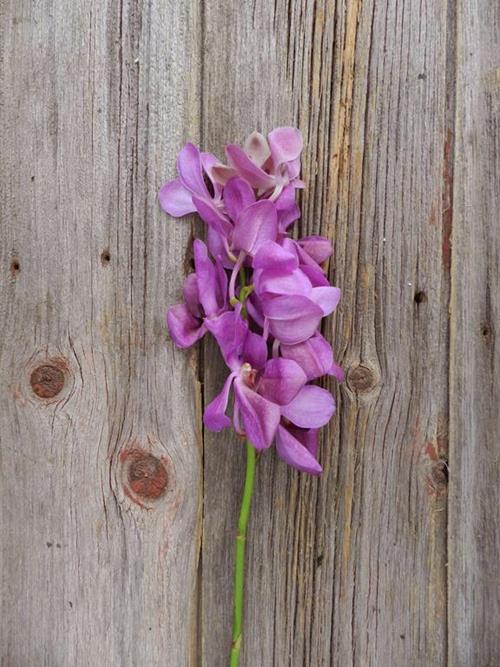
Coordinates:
(259, 292)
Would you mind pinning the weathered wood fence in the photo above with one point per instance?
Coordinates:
(392, 557)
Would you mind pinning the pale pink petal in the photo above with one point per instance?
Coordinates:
(190, 171)
(240, 161)
(260, 417)
(293, 452)
(215, 418)
(326, 297)
(311, 408)
(175, 199)
(286, 144)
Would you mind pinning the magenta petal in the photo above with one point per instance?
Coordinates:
(247, 169)
(293, 169)
(237, 195)
(311, 408)
(230, 332)
(254, 350)
(191, 296)
(184, 329)
(326, 297)
(212, 216)
(294, 453)
(206, 277)
(292, 319)
(215, 418)
(318, 248)
(273, 256)
(175, 199)
(260, 416)
(337, 372)
(315, 274)
(190, 171)
(256, 224)
(208, 162)
(314, 356)
(281, 381)
(275, 282)
(286, 144)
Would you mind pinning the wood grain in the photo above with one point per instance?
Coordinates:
(348, 569)
(117, 511)
(94, 103)
(474, 527)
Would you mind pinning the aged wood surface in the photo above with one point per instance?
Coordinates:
(474, 527)
(117, 510)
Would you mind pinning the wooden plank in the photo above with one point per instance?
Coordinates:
(351, 568)
(474, 533)
(100, 472)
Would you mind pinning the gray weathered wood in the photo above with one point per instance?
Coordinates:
(348, 569)
(95, 99)
(117, 511)
(474, 527)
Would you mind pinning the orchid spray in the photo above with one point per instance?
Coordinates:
(262, 295)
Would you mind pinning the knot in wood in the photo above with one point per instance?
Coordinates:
(147, 476)
(439, 475)
(47, 381)
(361, 378)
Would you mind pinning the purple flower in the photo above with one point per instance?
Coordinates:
(267, 165)
(291, 305)
(262, 387)
(205, 298)
(266, 312)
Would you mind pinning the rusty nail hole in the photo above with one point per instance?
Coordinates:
(32, 179)
(361, 378)
(485, 330)
(105, 257)
(147, 477)
(47, 381)
(420, 297)
(15, 267)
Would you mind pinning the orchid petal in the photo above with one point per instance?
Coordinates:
(212, 216)
(190, 170)
(295, 453)
(206, 276)
(230, 332)
(311, 408)
(326, 297)
(281, 381)
(240, 161)
(285, 143)
(185, 330)
(318, 248)
(292, 319)
(260, 417)
(257, 148)
(254, 350)
(337, 372)
(256, 224)
(191, 296)
(237, 196)
(214, 417)
(314, 356)
(175, 199)
(220, 173)
(273, 256)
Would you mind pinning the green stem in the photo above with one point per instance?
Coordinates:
(239, 570)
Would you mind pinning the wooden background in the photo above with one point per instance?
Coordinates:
(391, 558)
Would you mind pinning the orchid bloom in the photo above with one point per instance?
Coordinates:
(261, 294)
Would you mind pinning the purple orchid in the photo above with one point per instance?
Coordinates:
(205, 298)
(266, 312)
